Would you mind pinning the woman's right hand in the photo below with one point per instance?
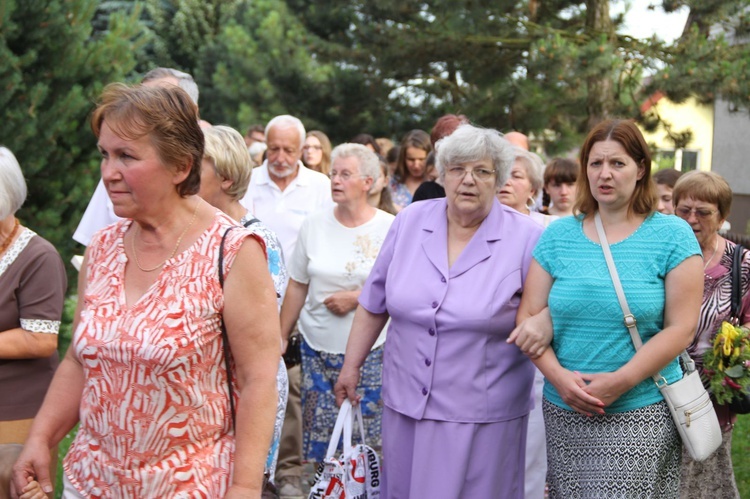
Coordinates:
(346, 385)
(534, 334)
(570, 386)
(32, 463)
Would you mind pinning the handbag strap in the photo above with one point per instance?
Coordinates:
(628, 318)
(357, 415)
(250, 222)
(734, 313)
(343, 421)
(224, 336)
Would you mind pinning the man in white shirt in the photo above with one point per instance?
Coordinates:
(282, 193)
(100, 212)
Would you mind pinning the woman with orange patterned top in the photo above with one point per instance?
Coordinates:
(145, 371)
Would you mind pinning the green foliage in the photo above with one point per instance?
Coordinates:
(51, 70)
(66, 325)
(709, 61)
(263, 62)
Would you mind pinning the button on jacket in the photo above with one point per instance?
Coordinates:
(446, 356)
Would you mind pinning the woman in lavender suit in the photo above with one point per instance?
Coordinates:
(450, 275)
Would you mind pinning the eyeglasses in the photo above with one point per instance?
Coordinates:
(700, 213)
(344, 176)
(478, 173)
(316, 148)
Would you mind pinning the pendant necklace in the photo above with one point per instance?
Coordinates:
(174, 251)
(716, 247)
(12, 235)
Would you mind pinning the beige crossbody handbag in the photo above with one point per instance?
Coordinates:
(691, 407)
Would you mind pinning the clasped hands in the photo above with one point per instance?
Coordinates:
(586, 393)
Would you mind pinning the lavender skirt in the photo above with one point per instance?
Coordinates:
(446, 460)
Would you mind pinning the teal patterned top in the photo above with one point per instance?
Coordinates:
(589, 333)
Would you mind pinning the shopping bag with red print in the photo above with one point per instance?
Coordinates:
(355, 474)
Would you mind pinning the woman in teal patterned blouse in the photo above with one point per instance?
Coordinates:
(609, 432)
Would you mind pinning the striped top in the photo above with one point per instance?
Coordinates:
(717, 300)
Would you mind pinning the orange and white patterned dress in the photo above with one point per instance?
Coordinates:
(154, 415)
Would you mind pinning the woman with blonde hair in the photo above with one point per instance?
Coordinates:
(225, 174)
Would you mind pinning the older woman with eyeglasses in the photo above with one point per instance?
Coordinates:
(335, 251)
(703, 200)
(449, 276)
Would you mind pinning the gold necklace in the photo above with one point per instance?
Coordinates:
(716, 247)
(174, 251)
(12, 235)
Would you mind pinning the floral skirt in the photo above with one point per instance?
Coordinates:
(320, 370)
(633, 454)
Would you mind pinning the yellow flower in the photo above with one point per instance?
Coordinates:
(728, 333)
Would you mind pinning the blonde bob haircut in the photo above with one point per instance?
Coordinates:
(226, 149)
(644, 199)
(167, 115)
(12, 184)
(708, 187)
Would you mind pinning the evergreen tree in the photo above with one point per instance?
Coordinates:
(51, 71)
(263, 62)
(532, 66)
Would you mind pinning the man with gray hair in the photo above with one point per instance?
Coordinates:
(169, 76)
(282, 193)
(100, 213)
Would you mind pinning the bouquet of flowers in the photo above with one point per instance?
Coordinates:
(726, 366)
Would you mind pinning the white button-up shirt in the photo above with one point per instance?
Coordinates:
(284, 211)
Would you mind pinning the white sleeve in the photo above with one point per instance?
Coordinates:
(99, 214)
(297, 265)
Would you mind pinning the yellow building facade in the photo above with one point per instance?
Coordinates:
(690, 115)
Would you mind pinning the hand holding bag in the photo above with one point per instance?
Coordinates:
(689, 403)
(356, 473)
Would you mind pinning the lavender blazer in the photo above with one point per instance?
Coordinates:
(445, 357)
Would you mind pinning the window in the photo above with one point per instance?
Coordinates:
(680, 159)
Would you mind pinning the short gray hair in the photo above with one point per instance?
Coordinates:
(470, 143)
(369, 164)
(12, 184)
(184, 80)
(288, 121)
(534, 167)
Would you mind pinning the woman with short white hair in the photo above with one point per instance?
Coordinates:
(32, 291)
(456, 394)
(524, 186)
(335, 251)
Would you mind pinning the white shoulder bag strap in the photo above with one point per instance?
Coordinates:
(628, 318)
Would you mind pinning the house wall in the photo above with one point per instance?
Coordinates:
(731, 157)
(691, 115)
